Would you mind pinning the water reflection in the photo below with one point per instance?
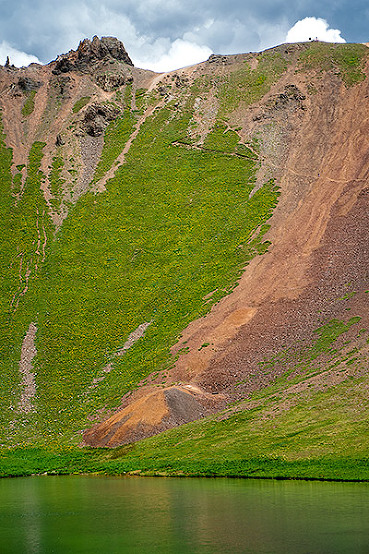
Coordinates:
(102, 514)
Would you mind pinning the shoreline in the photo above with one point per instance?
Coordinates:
(38, 462)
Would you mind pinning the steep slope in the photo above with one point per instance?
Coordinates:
(315, 272)
(131, 204)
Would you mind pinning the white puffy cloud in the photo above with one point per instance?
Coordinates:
(16, 57)
(167, 56)
(312, 28)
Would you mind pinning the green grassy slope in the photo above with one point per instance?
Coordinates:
(318, 432)
(175, 224)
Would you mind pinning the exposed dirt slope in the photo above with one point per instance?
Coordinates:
(319, 244)
(67, 105)
(153, 413)
(315, 146)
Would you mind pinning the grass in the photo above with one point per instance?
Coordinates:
(347, 59)
(29, 104)
(222, 140)
(56, 182)
(24, 462)
(81, 103)
(246, 86)
(21, 257)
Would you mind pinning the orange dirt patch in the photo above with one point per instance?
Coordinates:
(153, 413)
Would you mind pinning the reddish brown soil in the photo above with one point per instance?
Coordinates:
(319, 245)
(319, 251)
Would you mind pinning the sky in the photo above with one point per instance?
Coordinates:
(168, 34)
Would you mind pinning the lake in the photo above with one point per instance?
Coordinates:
(134, 514)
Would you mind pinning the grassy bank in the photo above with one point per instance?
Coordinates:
(26, 462)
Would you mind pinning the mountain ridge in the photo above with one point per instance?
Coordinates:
(80, 129)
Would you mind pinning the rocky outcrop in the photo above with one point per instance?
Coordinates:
(291, 99)
(96, 118)
(110, 81)
(98, 49)
(26, 84)
(89, 53)
(217, 59)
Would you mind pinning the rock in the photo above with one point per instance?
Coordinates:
(64, 83)
(218, 59)
(61, 84)
(291, 99)
(26, 84)
(63, 65)
(97, 117)
(293, 92)
(59, 140)
(162, 91)
(102, 48)
(112, 81)
(89, 53)
(180, 80)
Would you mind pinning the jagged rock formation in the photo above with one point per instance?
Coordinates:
(89, 52)
(27, 84)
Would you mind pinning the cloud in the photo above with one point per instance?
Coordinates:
(19, 59)
(312, 28)
(51, 28)
(169, 56)
(150, 29)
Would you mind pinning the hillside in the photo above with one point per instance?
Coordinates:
(184, 246)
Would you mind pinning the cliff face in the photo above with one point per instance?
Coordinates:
(136, 202)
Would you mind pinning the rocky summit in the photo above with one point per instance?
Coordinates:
(89, 53)
(185, 254)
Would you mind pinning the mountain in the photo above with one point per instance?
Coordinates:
(186, 246)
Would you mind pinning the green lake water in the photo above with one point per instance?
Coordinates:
(145, 515)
